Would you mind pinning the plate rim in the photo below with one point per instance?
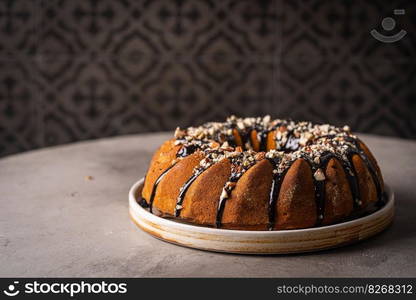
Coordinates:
(133, 205)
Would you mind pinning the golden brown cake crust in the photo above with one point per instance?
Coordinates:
(201, 200)
(296, 205)
(162, 159)
(248, 203)
(338, 196)
(168, 191)
(309, 175)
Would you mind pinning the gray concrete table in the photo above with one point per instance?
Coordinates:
(57, 221)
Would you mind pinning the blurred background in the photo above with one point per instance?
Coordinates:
(83, 69)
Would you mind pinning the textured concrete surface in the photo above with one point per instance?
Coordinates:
(55, 221)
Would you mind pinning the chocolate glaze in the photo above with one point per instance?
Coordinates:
(274, 193)
(183, 190)
(152, 195)
(370, 166)
(262, 137)
(292, 143)
(221, 203)
(237, 170)
(186, 150)
(319, 185)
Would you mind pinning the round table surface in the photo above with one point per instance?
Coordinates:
(64, 212)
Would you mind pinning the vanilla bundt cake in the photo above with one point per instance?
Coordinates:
(262, 174)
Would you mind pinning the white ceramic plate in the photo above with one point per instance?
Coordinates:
(260, 242)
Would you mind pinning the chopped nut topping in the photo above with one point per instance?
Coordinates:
(215, 145)
(179, 133)
(233, 154)
(266, 119)
(293, 140)
(224, 194)
(319, 175)
(230, 185)
(260, 156)
(240, 125)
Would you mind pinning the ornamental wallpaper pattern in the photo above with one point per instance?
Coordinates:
(82, 69)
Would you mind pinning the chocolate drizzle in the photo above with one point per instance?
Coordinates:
(316, 144)
(262, 137)
(238, 168)
(183, 190)
(158, 180)
(186, 150)
(221, 202)
(274, 194)
(292, 143)
(371, 168)
(352, 178)
(319, 184)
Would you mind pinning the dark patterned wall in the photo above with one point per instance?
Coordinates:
(81, 69)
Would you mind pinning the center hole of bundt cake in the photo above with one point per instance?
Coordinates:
(260, 141)
(241, 137)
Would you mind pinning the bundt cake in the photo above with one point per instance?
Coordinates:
(262, 174)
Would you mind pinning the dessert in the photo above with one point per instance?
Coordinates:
(262, 174)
